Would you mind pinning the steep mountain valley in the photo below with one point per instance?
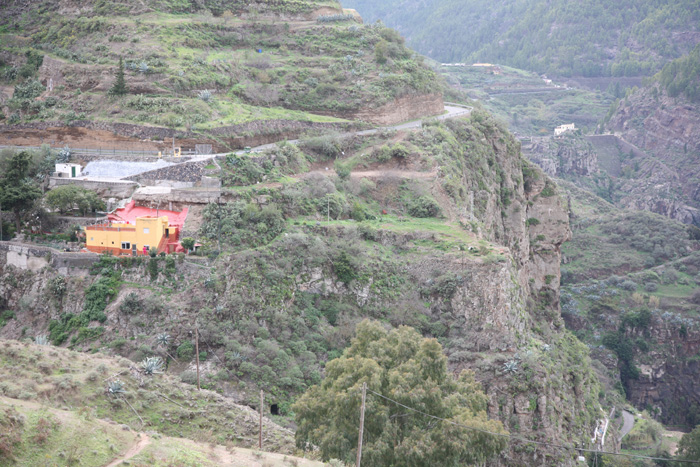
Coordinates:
(335, 185)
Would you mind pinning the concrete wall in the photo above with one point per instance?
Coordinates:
(35, 257)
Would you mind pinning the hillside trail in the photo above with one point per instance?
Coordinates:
(134, 450)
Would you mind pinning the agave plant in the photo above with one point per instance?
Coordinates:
(41, 339)
(163, 340)
(63, 155)
(152, 366)
(510, 366)
(205, 95)
(115, 387)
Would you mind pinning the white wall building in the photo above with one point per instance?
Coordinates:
(68, 170)
(564, 128)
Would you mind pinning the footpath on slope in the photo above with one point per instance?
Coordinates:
(134, 450)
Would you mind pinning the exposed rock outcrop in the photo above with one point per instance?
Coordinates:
(661, 167)
(563, 155)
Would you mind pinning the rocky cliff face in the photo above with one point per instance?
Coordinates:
(662, 177)
(564, 155)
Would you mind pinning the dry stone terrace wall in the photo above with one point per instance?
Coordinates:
(125, 136)
(188, 172)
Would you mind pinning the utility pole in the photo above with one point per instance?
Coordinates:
(362, 425)
(196, 350)
(262, 401)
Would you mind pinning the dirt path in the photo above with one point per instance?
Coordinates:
(134, 450)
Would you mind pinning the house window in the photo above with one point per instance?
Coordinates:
(146, 230)
(126, 246)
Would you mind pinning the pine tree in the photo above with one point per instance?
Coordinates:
(119, 86)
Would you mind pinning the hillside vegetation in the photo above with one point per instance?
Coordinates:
(53, 403)
(200, 65)
(587, 38)
(434, 229)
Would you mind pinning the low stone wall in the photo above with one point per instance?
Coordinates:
(36, 257)
(106, 189)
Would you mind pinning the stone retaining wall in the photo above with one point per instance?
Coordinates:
(103, 188)
(36, 257)
(189, 172)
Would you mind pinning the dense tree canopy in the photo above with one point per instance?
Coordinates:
(682, 76)
(17, 191)
(412, 370)
(67, 197)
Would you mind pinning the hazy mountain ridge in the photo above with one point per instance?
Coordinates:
(590, 38)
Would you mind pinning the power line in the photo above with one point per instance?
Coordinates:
(531, 441)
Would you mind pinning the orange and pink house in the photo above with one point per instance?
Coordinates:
(134, 230)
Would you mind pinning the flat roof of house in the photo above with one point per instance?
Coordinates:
(130, 212)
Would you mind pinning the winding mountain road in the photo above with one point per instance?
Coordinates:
(451, 111)
(628, 423)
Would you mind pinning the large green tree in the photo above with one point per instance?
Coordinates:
(689, 446)
(412, 370)
(17, 191)
(67, 197)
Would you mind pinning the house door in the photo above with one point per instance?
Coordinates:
(72, 171)
(167, 233)
(133, 249)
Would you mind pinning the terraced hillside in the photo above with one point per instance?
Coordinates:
(205, 68)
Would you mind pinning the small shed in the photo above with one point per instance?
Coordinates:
(68, 170)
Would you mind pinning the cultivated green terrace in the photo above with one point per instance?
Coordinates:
(198, 65)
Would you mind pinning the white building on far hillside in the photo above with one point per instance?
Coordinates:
(564, 128)
(68, 170)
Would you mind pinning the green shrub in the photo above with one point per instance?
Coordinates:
(131, 304)
(423, 207)
(344, 268)
(185, 350)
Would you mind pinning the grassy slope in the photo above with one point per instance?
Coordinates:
(60, 378)
(608, 240)
(54, 437)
